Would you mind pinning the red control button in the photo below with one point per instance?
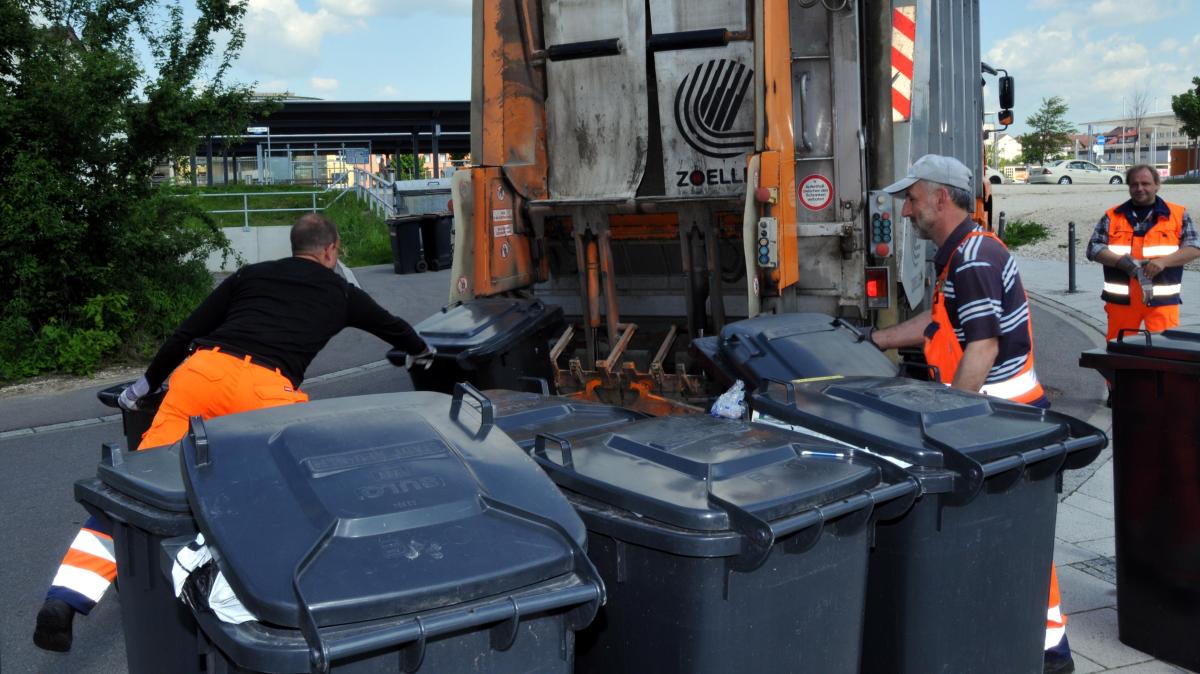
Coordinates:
(762, 195)
(882, 250)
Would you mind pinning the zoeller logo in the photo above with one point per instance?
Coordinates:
(707, 104)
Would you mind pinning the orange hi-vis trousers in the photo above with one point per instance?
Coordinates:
(208, 384)
(1131, 316)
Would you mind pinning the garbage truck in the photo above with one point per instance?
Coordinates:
(660, 169)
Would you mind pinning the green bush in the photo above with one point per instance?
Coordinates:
(365, 239)
(1020, 232)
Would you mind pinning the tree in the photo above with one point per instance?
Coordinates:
(93, 258)
(1186, 107)
(1050, 133)
(1138, 106)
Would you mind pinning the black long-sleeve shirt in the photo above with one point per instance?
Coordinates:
(281, 313)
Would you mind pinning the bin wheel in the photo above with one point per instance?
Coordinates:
(434, 266)
(421, 266)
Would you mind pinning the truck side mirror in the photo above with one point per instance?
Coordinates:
(1008, 93)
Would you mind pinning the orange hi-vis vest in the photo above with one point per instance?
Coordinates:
(1160, 240)
(943, 351)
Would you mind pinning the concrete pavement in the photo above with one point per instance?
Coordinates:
(1085, 545)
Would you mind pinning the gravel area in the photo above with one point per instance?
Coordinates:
(1057, 205)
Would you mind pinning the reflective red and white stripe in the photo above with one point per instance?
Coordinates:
(904, 36)
(89, 566)
(1056, 622)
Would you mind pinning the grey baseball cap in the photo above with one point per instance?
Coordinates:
(934, 168)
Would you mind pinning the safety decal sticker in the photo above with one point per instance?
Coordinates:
(500, 231)
(502, 215)
(815, 192)
(504, 250)
(462, 284)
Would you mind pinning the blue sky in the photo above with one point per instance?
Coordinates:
(1091, 52)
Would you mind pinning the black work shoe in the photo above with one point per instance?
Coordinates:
(1058, 664)
(53, 632)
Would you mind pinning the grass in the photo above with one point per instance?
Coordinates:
(365, 239)
(1020, 232)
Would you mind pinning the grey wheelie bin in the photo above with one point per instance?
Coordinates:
(959, 583)
(384, 533)
(725, 546)
(437, 238)
(493, 342)
(142, 495)
(1156, 485)
(523, 415)
(137, 422)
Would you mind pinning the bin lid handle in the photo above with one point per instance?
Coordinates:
(757, 536)
(487, 412)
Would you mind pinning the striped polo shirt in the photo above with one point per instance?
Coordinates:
(985, 298)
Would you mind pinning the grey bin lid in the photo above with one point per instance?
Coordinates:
(662, 468)
(801, 345)
(524, 415)
(419, 508)
(484, 327)
(914, 421)
(151, 476)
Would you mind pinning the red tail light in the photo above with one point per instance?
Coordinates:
(877, 287)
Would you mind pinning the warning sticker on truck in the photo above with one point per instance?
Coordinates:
(815, 192)
(502, 231)
(501, 215)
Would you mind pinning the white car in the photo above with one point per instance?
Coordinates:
(1067, 171)
(995, 177)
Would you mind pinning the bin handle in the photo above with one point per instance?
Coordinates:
(934, 373)
(1123, 331)
(564, 446)
(542, 384)
(199, 435)
(487, 411)
(788, 387)
(318, 650)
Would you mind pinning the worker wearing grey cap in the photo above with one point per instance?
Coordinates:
(978, 334)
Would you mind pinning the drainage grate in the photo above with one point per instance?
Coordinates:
(1104, 568)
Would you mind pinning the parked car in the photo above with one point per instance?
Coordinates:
(995, 177)
(1067, 171)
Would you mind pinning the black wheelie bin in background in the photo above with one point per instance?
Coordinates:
(493, 342)
(1156, 489)
(134, 424)
(408, 255)
(725, 546)
(142, 495)
(959, 583)
(437, 240)
(385, 533)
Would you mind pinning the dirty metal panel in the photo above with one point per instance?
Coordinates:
(705, 100)
(596, 107)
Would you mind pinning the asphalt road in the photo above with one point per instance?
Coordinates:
(40, 516)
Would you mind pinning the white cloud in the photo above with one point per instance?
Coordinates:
(323, 85)
(389, 90)
(1093, 68)
(369, 8)
(284, 40)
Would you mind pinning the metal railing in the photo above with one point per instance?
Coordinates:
(378, 192)
(245, 210)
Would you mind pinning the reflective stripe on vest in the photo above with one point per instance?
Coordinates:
(1014, 388)
(1160, 240)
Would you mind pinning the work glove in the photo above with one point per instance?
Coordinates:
(1147, 282)
(1129, 265)
(867, 331)
(425, 358)
(133, 394)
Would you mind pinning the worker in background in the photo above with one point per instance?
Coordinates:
(978, 334)
(245, 347)
(1143, 245)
